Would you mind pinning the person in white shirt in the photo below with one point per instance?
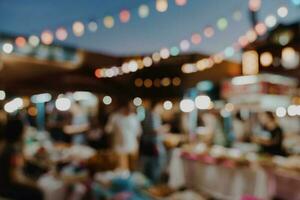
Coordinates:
(126, 129)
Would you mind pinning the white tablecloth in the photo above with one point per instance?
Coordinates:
(218, 181)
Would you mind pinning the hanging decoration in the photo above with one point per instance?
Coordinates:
(136, 64)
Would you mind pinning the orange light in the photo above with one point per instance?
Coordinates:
(124, 16)
(20, 41)
(32, 111)
(98, 73)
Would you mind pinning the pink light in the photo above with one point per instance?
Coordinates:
(124, 16)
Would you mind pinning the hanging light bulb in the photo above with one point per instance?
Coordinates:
(161, 5)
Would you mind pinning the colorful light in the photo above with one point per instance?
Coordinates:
(165, 82)
(180, 2)
(34, 40)
(143, 11)
(270, 21)
(229, 52)
(47, 37)
(78, 28)
(98, 73)
(209, 32)
(164, 53)
(250, 63)
(196, 38)
(260, 28)
(266, 59)
(176, 81)
(147, 61)
(281, 112)
(282, 11)
(61, 34)
(184, 45)
(289, 58)
(222, 23)
(148, 83)
(124, 16)
(254, 5)
(168, 105)
(156, 57)
(161, 5)
(7, 48)
(108, 22)
(20, 42)
(203, 102)
(237, 15)
(187, 105)
(137, 101)
(296, 2)
(2, 95)
(93, 26)
(174, 51)
(138, 82)
(107, 100)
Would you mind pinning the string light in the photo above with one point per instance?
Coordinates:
(78, 28)
(196, 38)
(184, 45)
(209, 32)
(161, 5)
(137, 101)
(156, 57)
(282, 11)
(147, 61)
(164, 53)
(124, 16)
(254, 5)
(266, 59)
(143, 11)
(180, 2)
(47, 37)
(107, 100)
(260, 28)
(34, 40)
(20, 42)
(222, 23)
(7, 48)
(108, 22)
(168, 105)
(270, 21)
(93, 26)
(61, 34)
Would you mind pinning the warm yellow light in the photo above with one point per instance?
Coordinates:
(138, 82)
(161, 5)
(148, 83)
(156, 57)
(147, 61)
(108, 22)
(165, 82)
(164, 53)
(266, 59)
(250, 63)
(78, 28)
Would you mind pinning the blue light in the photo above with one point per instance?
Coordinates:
(296, 2)
(205, 86)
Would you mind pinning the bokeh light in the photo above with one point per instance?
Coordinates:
(61, 34)
(7, 48)
(63, 104)
(187, 105)
(78, 28)
(124, 16)
(47, 37)
(143, 11)
(168, 105)
(161, 5)
(266, 59)
(108, 22)
(107, 100)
